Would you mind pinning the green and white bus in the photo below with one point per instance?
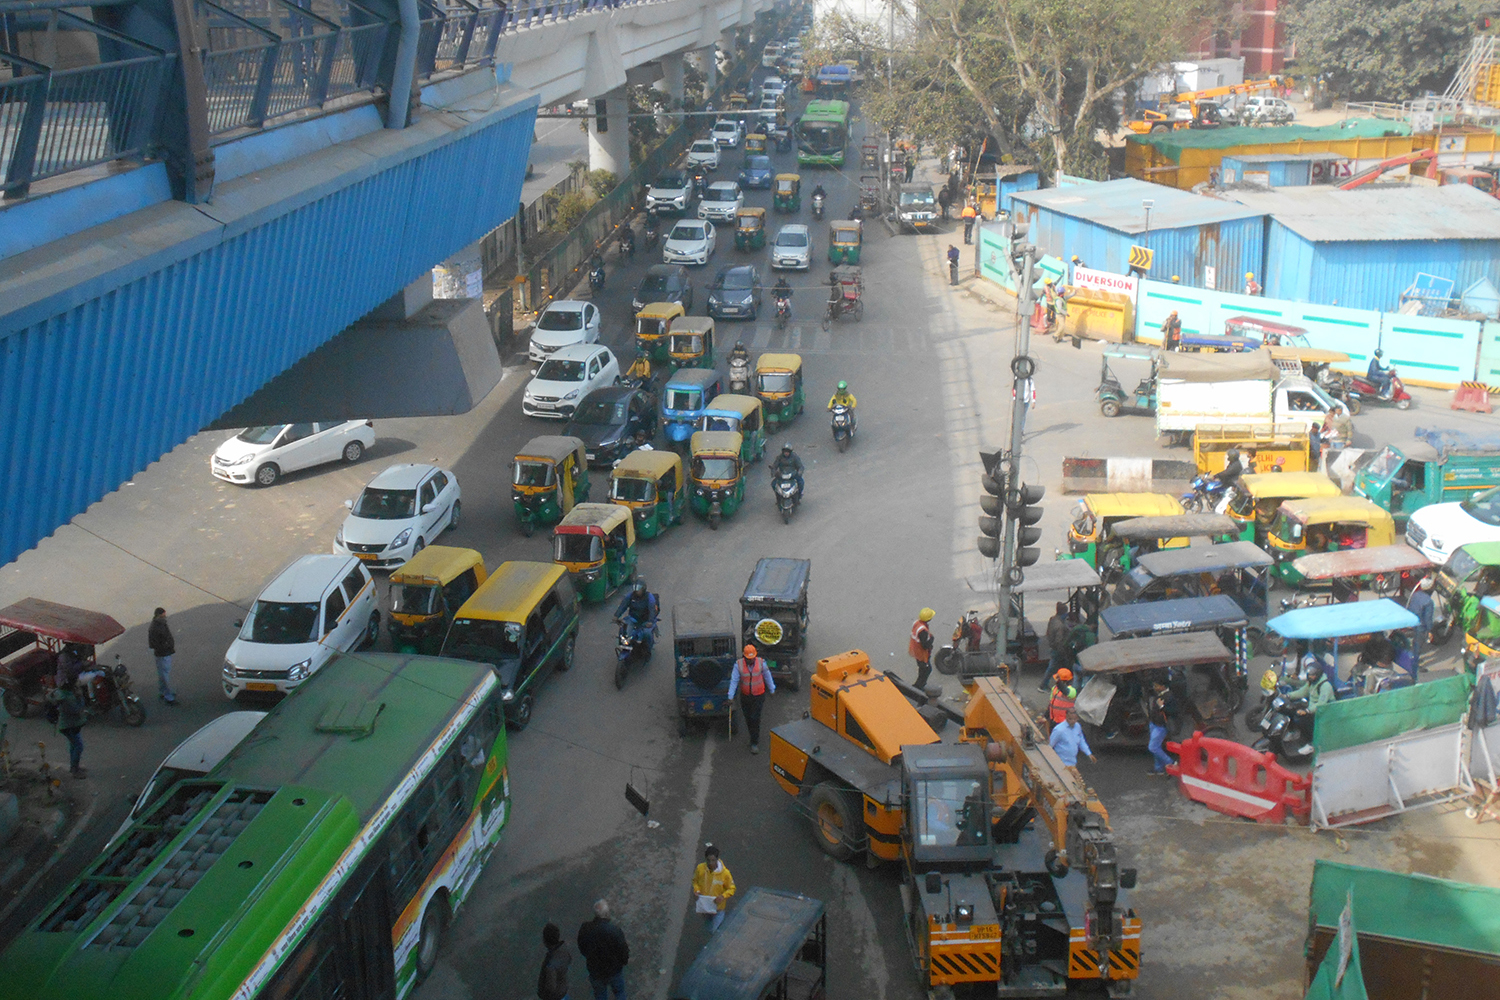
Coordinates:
(822, 134)
(321, 859)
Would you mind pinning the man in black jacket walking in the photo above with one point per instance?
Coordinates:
(605, 953)
(163, 646)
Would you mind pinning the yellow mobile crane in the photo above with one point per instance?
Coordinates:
(1162, 120)
(986, 889)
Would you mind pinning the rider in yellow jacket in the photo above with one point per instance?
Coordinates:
(843, 397)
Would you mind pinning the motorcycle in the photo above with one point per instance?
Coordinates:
(636, 642)
(1205, 495)
(817, 206)
(739, 375)
(843, 426)
(783, 313)
(1363, 390)
(596, 276)
(653, 229)
(788, 494)
(627, 241)
(34, 688)
(1287, 729)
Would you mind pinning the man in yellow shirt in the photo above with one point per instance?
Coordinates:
(712, 887)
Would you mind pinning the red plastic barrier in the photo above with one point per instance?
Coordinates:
(1231, 778)
(1471, 396)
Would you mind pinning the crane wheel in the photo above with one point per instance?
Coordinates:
(836, 820)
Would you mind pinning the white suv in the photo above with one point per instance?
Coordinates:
(316, 607)
(1267, 109)
(721, 202)
(726, 133)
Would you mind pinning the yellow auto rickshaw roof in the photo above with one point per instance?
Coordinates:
(790, 177)
(778, 362)
(552, 448)
(733, 402)
(691, 324)
(647, 463)
(756, 135)
(661, 310)
(1288, 485)
(438, 562)
(602, 515)
(512, 592)
(844, 226)
(717, 442)
(1132, 504)
(1336, 510)
(751, 213)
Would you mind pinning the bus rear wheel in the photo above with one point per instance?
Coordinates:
(434, 922)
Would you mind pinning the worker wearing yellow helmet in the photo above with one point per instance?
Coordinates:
(920, 646)
(1252, 287)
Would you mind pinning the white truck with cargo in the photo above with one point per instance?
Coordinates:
(1200, 390)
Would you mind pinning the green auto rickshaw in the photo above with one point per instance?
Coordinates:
(750, 229)
(549, 476)
(718, 475)
(652, 324)
(732, 412)
(426, 592)
(755, 144)
(652, 485)
(596, 543)
(778, 385)
(690, 343)
(844, 239)
(786, 193)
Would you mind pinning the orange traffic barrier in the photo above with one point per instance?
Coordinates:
(1471, 396)
(1231, 778)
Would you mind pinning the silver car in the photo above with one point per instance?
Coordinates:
(792, 250)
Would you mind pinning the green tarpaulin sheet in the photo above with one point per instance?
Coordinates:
(1327, 984)
(1171, 144)
(1374, 717)
(1416, 908)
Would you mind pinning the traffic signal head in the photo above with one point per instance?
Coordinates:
(1020, 503)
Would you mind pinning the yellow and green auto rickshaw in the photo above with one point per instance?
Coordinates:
(738, 101)
(742, 414)
(718, 475)
(652, 324)
(550, 476)
(425, 594)
(787, 193)
(844, 239)
(778, 385)
(755, 143)
(1482, 633)
(652, 485)
(1091, 534)
(750, 229)
(1324, 524)
(596, 543)
(690, 343)
(1258, 497)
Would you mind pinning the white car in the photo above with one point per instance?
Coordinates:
(398, 513)
(1267, 109)
(315, 608)
(671, 192)
(704, 153)
(691, 241)
(721, 201)
(726, 133)
(265, 454)
(770, 54)
(194, 757)
(773, 86)
(569, 375)
(792, 249)
(770, 107)
(1437, 530)
(564, 323)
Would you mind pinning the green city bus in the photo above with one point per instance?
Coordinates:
(321, 859)
(822, 134)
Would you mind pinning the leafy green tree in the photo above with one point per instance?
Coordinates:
(1386, 50)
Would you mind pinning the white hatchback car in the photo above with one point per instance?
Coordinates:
(398, 513)
(691, 241)
(316, 607)
(194, 757)
(568, 376)
(563, 324)
(773, 86)
(792, 249)
(721, 201)
(264, 454)
(704, 153)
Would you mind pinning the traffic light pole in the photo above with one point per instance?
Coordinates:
(1022, 368)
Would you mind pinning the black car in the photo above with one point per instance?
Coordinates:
(735, 293)
(613, 421)
(664, 283)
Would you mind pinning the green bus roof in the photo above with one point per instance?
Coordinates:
(826, 109)
(190, 899)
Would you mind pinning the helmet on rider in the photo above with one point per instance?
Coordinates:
(786, 449)
(1379, 353)
(739, 345)
(640, 587)
(843, 386)
(1232, 455)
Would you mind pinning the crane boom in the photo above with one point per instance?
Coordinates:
(1248, 87)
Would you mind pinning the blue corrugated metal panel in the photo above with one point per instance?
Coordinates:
(1370, 275)
(93, 395)
(1119, 205)
(1011, 185)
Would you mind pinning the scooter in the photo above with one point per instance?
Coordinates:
(1287, 730)
(596, 276)
(1365, 391)
(739, 375)
(627, 241)
(653, 229)
(817, 206)
(788, 494)
(1205, 495)
(783, 313)
(636, 643)
(843, 426)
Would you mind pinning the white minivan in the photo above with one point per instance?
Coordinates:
(316, 607)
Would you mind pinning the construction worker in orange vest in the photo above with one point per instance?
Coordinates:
(752, 679)
(969, 214)
(920, 646)
(1063, 696)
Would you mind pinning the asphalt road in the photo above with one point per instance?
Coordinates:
(889, 527)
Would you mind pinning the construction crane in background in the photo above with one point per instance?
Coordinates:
(1205, 110)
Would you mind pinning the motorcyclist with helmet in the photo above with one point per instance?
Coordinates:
(1317, 691)
(739, 353)
(788, 461)
(640, 608)
(1379, 373)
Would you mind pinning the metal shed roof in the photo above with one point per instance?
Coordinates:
(1285, 157)
(1327, 215)
(1117, 205)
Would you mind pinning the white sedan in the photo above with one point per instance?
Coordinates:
(566, 377)
(726, 133)
(264, 454)
(691, 241)
(564, 323)
(397, 514)
(704, 153)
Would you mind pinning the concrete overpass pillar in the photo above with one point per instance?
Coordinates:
(609, 147)
(671, 78)
(708, 64)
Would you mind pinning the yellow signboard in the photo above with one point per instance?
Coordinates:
(1140, 258)
(768, 631)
